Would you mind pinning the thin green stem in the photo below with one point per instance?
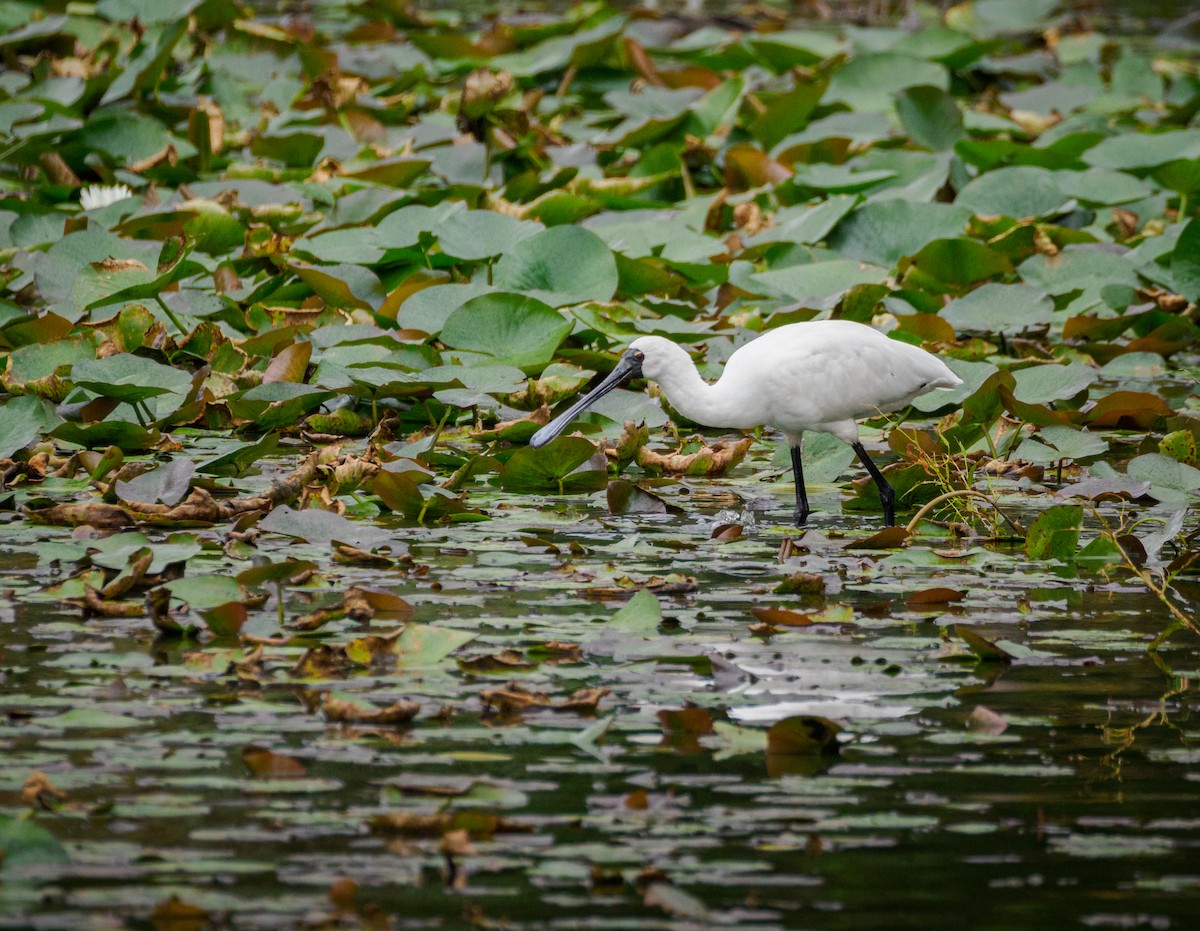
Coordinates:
(170, 315)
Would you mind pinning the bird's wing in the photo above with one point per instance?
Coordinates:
(835, 375)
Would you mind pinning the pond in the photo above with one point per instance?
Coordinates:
(1055, 787)
(298, 629)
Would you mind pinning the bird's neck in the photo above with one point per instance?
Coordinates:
(695, 398)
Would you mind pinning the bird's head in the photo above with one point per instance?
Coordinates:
(652, 354)
(628, 367)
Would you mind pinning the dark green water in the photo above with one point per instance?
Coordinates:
(1079, 812)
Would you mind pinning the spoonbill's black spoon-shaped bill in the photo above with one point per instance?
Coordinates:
(824, 375)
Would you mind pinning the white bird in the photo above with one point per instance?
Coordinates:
(823, 375)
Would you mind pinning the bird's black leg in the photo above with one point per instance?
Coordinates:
(802, 510)
(886, 495)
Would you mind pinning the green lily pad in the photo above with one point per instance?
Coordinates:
(559, 266)
(520, 331)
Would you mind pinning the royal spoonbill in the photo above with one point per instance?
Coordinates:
(823, 375)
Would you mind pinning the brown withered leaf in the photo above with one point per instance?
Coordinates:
(482, 90)
(374, 649)
(315, 620)
(683, 729)
(747, 167)
(352, 555)
(583, 701)
(512, 697)
(78, 513)
(289, 364)
(505, 660)
(119, 265)
(1126, 222)
(57, 170)
(984, 720)
(889, 538)
(981, 646)
(198, 509)
(226, 279)
(934, 596)
(564, 652)
(801, 583)
(343, 894)
(348, 473)
(802, 734)
(781, 617)
(322, 662)
(127, 581)
(727, 533)
(633, 437)
(206, 127)
(94, 603)
(478, 824)
(362, 604)
(174, 914)
(708, 460)
(250, 667)
(40, 792)
(168, 155)
(1128, 410)
(627, 587)
(267, 764)
(338, 709)
(457, 843)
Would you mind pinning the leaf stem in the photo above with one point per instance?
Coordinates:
(170, 314)
(961, 493)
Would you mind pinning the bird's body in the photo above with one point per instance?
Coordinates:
(823, 376)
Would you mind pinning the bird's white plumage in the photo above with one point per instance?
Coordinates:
(823, 375)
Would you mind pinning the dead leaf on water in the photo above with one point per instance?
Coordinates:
(888, 539)
(934, 596)
(174, 914)
(986, 721)
(727, 533)
(351, 712)
(267, 764)
(707, 460)
(505, 660)
(40, 792)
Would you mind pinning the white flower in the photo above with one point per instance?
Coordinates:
(95, 196)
